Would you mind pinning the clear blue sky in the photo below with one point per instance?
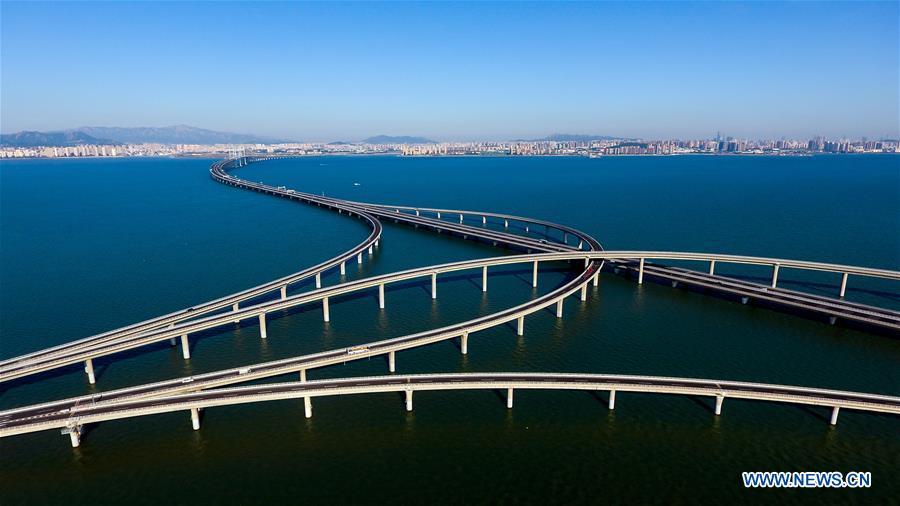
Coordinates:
(455, 71)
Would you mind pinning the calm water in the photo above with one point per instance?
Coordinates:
(88, 245)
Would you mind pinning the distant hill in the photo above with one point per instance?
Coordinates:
(28, 139)
(177, 134)
(397, 139)
(572, 138)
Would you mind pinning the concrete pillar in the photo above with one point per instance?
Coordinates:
(584, 292)
(235, 307)
(844, 284)
(172, 341)
(712, 267)
(89, 369)
(392, 361)
(381, 296)
(565, 238)
(834, 414)
(775, 275)
(195, 418)
(521, 326)
(325, 314)
(283, 292)
(433, 285)
(464, 343)
(484, 220)
(612, 400)
(460, 218)
(641, 272)
(526, 229)
(559, 307)
(534, 270)
(417, 212)
(439, 215)
(745, 300)
(505, 223)
(509, 398)
(377, 242)
(580, 244)
(597, 278)
(307, 402)
(409, 400)
(359, 258)
(318, 280)
(343, 268)
(185, 347)
(719, 400)
(371, 249)
(484, 278)
(262, 326)
(75, 437)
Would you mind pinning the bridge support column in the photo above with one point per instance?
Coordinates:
(834, 414)
(712, 267)
(283, 292)
(359, 258)
(433, 285)
(745, 300)
(325, 314)
(172, 341)
(559, 307)
(460, 218)
(377, 242)
(584, 292)
(417, 212)
(319, 280)
(438, 215)
(534, 270)
(719, 400)
(597, 277)
(641, 273)
(505, 223)
(580, 244)
(409, 400)
(185, 347)
(484, 220)
(262, 326)
(612, 400)
(89, 369)
(392, 361)
(195, 418)
(484, 278)
(521, 326)
(509, 398)
(381, 296)
(526, 229)
(343, 268)
(565, 238)
(464, 343)
(234, 308)
(844, 284)
(371, 250)
(775, 275)
(75, 437)
(307, 402)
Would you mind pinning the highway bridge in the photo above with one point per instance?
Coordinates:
(72, 420)
(551, 244)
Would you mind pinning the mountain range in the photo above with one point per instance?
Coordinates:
(177, 134)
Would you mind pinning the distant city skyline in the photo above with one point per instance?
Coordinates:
(456, 72)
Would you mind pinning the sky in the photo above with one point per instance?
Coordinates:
(456, 71)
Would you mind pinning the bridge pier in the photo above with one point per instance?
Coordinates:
(409, 400)
(641, 272)
(745, 300)
(834, 414)
(844, 284)
(185, 347)
(359, 258)
(307, 402)
(262, 326)
(460, 218)
(464, 343)
(712, 267)
(584, 292)
(775, 275)
(438, 215)
(565, 238)
(597, 277)
(392, 361)
(505, 223)
(234, 308)
(381, 296)
(318, 280)
(559, 307)
(580, 244)
(433, 285)
(521, 326)
(371, 250)
(325, 314)
(484, 278)
(75, 436)
(612, 400)
(195, 418)
(719, 400)
(534, 271)
(509, 398)
(484, 220)
(526, 229)
(89, 369)
(343, 268)
(172, 341)
(283, 292)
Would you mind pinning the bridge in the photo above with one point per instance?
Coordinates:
(549, 245)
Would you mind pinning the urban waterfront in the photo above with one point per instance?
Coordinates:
(75, 264)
